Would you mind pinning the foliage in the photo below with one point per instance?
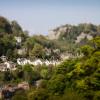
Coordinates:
(20, 95)
(37, 51)
(40, 94)
(5, 26)
(81, 75)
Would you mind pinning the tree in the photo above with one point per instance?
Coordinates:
(71, 95)
(29, 44)
(44, 73)
(7, 42)
(9, 54)
(5, 26)
(7, 76)
(87, 50)
(20, 95)
(37, 51)
(29, 74)
(56, 84)
(16, 28)
(39, 94)
(96, 42)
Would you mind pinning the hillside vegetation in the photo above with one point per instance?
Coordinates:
(76, 78)
(73, 79)
(65, 40)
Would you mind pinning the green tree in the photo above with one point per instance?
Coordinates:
(56, 84)
(39, 94)
(29, 74)
(37, 51)
(20, 95)
(5, 26)
(87, 50)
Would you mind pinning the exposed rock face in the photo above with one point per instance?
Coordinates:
(82, 36)
(54, 34)
(70, 32)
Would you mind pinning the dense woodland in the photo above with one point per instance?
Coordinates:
(73, 79)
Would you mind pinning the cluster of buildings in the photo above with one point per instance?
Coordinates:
(23, 61)
(7, 65)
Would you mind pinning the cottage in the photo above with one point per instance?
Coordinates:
(38, 62)
(23, 61)
(18, 39)
(22, 51)
(10, 65)
(38, 83)
(7, 65)
(3, 67)
(3, 58)
(24, 85)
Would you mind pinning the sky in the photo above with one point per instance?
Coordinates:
(39, 16)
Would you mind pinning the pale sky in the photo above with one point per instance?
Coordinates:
(39, 16)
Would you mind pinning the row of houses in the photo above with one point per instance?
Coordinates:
(23, 61)
(9, 65)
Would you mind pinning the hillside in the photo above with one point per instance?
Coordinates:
(70, 32)
(64, 40)
(70, 37)
(7, 27)
(75, 78)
